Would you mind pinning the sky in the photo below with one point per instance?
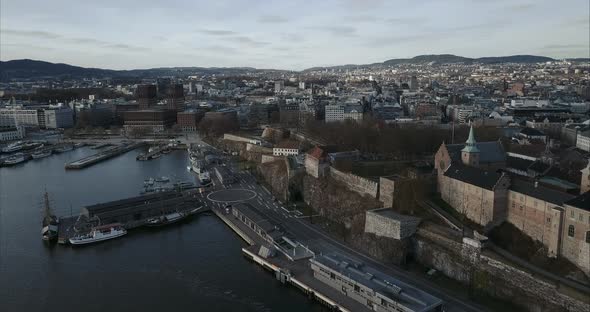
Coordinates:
(296, 34)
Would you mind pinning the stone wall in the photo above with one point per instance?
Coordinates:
(356, 183)
(486, 272)
(386, 223)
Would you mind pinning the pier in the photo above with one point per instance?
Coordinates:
(104, 155)
(131, 212)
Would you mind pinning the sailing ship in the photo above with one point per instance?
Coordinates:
(50, 221)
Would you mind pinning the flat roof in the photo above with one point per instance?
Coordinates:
(383, 284)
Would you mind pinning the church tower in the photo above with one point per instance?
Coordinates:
(585, 180)
(470, 153)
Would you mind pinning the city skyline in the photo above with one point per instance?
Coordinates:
(295, 36)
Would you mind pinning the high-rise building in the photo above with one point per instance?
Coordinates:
(146, 96)
(175, 100)
(163, 84)
(414, 83)
(279, 86)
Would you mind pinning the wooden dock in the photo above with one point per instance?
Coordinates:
(103, 155)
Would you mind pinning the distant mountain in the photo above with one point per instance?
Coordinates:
(26, 69)
(31, 68)
(448, 59)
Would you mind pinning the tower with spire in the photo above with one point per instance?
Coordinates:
(470, 153)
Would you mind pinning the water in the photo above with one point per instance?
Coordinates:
(196, 265)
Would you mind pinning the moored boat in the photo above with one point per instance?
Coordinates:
(64, 148)
(41, 154)
(162, 179)
(166, 219)
(99, 234)
(15, 160)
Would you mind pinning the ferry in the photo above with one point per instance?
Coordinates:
(13, 147)
(99, 234)
(65, 148)
(15, 160)
(41, 154)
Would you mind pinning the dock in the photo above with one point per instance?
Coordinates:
(131, 212)
(103, 155)
(295, 273)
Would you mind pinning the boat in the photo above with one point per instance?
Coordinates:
(166, 151)
(50, 221)
(99, 234)
(156, 156)
(64, 148)
(162, 179)
(41, 154)
(166, 219)
(15, 160)
(204, 178)
(149, 181)
(80, 144)
(13, 147)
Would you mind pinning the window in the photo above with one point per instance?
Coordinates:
(357, 288)
(588, 237)
(571, 231)
(572, 214)
(332, 275)
(548, 220)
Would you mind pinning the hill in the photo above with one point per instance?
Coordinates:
(31, 68)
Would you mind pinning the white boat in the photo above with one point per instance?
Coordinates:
(99, 234)
(149, 181)
(41, 154)
(13, 147)
(14, 160)
(162, 179)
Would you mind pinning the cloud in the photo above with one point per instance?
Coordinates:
(292, 37)
(220, 48)
(247, 41)
(86, 41)
(406, 20)
(217, 32)
(341, 31)
(521, 6)
(121, 46)
(564, 46)
(31, 33)
(272, 19)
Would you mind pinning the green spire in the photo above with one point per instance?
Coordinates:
(470, 144)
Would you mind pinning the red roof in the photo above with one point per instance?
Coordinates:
(317, 153)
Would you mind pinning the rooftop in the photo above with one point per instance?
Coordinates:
(540, 192)
(581, 202)
(385, 285)
(472, 175)
(489, 152)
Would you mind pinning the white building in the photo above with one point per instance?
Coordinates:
(583, 141)
(12, 134)
(341, 112)
(23, 117)
(286, 148)
(59, 118)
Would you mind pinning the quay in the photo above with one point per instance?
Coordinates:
(295, 273)
(103, 155)
(131, 212)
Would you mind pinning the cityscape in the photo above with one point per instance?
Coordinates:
(419, 175)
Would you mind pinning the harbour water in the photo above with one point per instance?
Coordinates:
(197, 265)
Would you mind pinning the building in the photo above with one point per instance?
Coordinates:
(569, 132)
(537, 211)
(413, 83)
(529, 136)
(56, 118)
(286, 148)
(575, 236)
(188, 121)
(10, 117)
(583, 140)
(149, 119)
(316, 162)
(385, 222)
(147, 96)
(341, 112)
(372, 288)
(175, 99)
(279, 86)
(7, 134)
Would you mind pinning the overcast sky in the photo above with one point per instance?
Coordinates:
(296, 34)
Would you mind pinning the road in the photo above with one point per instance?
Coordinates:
(319, 241)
